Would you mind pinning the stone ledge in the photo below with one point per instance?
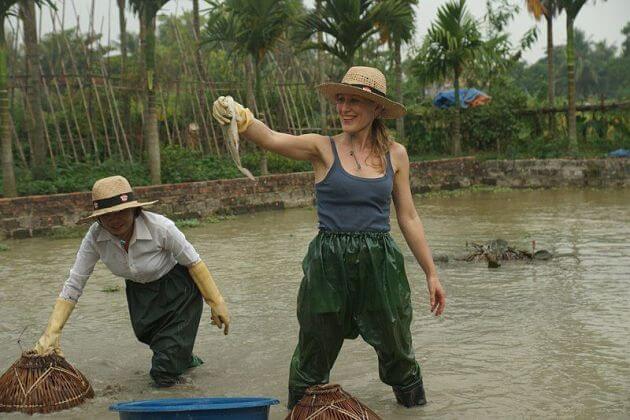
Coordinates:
(37, 215)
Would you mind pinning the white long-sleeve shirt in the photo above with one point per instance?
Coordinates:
(156, 245)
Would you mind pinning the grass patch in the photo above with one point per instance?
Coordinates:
(66, 232)
(111, 289)
(187, 223)
(192, 223)
(3, 247)
(473, 189)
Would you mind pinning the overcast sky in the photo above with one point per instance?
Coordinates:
(601, 20)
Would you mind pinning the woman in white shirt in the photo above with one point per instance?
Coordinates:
(165, 279)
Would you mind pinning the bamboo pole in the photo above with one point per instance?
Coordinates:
(201, 74)
(168, 131)
(268, 111)
(31, 114)
(65, 116)
(18, 144)
(301, 94)
(68, 87)
(48, 101)
(53, 116)
(175, 116)
(81, 92)
(194, 90)
(86, 51)
(292, 102)
(114, 110)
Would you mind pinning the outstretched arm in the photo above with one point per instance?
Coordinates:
(303, 147)
(86, 259)
(413, 230)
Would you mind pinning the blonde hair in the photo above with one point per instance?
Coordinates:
(381, 142)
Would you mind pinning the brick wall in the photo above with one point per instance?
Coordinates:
(35, 215)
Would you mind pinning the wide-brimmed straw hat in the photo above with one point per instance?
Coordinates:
(112, 194)
(368, 83)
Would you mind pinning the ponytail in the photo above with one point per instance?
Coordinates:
(381, 143)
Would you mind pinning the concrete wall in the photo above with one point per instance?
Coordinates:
(36, 215)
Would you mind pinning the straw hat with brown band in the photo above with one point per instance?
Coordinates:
(368, 83)
(112, 194)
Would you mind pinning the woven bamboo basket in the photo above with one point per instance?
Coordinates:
(42, 384)
(330, 402)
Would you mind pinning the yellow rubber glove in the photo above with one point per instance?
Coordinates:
(208, 288)
(222, 112)
(50, 341)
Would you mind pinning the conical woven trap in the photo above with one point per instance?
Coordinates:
(42, 384)
(330, 402)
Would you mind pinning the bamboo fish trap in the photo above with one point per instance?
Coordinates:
(42, 384)
(330, 402)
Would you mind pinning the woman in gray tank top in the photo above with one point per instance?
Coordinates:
(354, 276)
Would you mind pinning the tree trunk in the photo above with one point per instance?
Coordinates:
(125, 105)
(323, 118)
(400, 122)
(551, 81)
(34, 121)
(457, 137)
(197, 34)
(151, 134)
(571, 118)
(264, 170)
(8, 175)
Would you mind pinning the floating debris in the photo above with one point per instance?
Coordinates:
(498, 250)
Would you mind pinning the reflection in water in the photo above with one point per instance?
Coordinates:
(536, 339)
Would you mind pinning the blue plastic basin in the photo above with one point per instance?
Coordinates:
(236, 408)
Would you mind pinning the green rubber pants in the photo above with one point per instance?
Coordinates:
(354, 284)
(165, 314)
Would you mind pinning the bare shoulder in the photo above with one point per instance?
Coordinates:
(399, 156)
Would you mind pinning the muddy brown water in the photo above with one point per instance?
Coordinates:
(544, 339)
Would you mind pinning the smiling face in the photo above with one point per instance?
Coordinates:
(119, 223)
(355, 112)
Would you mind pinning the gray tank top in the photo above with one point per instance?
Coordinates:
(350, 203)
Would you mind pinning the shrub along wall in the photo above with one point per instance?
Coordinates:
(37, 215)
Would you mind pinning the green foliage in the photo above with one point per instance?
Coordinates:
(348, 25)
(178, 165)
(185, 165)
(466, 191)
(502, 129)
(3, 247)
(276, 163)
(66, 232)
(111, 289)
(187, 223)
(452, 42)
(600, 71)
(79, 177)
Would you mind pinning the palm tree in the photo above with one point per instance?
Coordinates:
(348, 24)
(146, 11)
(572, 9)
(122, 21)
(396, 26)
(548, 9)
(452, 42)
(251, 28)
(35, 124)
(8, 174)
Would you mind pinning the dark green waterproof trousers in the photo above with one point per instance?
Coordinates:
(354, 284)
(165, 314)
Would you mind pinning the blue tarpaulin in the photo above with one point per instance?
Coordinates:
(446, 99)
(620, 153)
